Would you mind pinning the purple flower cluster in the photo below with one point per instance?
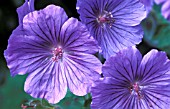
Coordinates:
(57, 53)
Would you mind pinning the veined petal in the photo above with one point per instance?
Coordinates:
(47, 81)
(154, 75)
(30, 51)
(129, 12)
(155, 69)
(56, 52)
(131, 82)
(37, 44)
(76, 38)
(124, 65)
(123, 36)
(25, 53)
(81, 71)
(110, 93)
(36, 22)
(107, 20)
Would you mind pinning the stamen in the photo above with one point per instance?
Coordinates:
(57, 54)
(135, 88)
(106, 18)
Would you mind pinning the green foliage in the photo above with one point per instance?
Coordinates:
(69, 102)
(12, 96)
(157, 30)
(12, 93)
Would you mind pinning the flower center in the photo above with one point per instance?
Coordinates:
(57, 54)
(106, 18)
(135, 89)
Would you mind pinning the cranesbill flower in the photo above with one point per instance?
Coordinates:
(165, 8)
(113, 23)
(56, 52)
(26, 8)
(131, 82)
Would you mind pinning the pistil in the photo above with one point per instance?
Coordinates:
(135, 88)
(57, 54)
(106, 18)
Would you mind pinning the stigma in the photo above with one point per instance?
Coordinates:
(105, 18)
(136, 89)
(57, 54)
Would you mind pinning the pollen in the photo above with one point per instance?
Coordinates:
(135, 89)
(57, 54)
(106, 18)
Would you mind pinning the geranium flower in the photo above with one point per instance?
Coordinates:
(56, 52)
(113, 23)
(131, 82)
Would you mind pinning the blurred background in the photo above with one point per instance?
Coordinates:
(12, 95)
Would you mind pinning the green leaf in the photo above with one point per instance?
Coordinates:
(12, 96)
(157, 31)
(12, 92)
(72, 101)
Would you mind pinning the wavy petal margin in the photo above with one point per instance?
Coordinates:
(131, 82)
(122, 31)
(31, 50)
(26, 8)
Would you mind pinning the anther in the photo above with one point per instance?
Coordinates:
(57, 54)
(135, 88)
(106, 18)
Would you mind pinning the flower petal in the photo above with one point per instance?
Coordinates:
(131, 82)
(23, 59)
(32, 49)
(81, 71)
(148, 4)
(26, 8)
(47, 81)
(124, 65)
(165, 10)
(159, 1)
(129, 12)
(76, 38)
(155, 69)
(36, 43)
(119, 37)
(120, 28)
(36, 22)
(109, 93)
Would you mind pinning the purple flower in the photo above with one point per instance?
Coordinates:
(56, 52)
(26, 8)
(131, 82)
(113, 23)
(148, 4)
(165, 8)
